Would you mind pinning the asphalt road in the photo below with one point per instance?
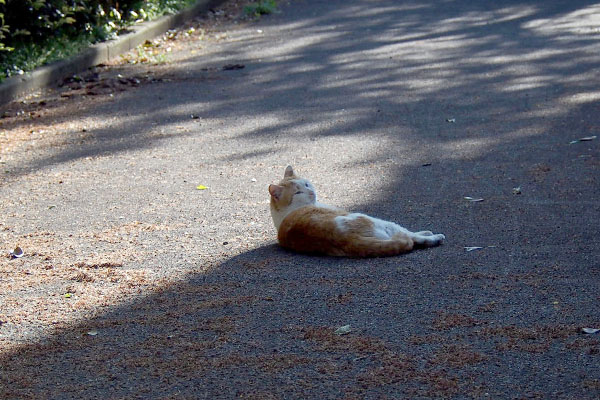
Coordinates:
(399, 109)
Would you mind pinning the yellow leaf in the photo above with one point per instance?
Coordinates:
(68, 295)
(201, 187)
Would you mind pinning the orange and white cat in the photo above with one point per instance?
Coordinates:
(307, 226)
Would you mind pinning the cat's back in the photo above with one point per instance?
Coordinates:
(310, 229)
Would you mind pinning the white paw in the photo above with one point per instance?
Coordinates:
(433, 240)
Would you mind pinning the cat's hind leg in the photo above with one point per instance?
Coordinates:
(386, 230)
(427, 240)
(424, 233)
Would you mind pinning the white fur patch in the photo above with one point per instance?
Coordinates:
(386, 229)
(381, 229)
(342, 220)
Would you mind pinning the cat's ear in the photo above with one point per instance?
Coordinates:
(275, 191)
(289, 172)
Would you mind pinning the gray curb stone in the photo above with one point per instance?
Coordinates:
(16, 87)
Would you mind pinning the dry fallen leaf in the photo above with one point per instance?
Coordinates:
(583, 139)
(590, 330)
(16, 253)
(343, 330)
(232, 67)
(472, 248)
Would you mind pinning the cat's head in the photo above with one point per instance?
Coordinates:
(292, 191)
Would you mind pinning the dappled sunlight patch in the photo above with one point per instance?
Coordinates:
(582, 21)
(483, 18)
(529, 83)
(582, 98)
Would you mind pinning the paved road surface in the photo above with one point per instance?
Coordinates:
(400, 109)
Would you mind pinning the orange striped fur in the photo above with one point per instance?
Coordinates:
(307, 226)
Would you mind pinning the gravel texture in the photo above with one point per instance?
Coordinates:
(136, 284)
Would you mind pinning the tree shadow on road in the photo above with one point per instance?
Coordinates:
(403, 66)
(262, 325)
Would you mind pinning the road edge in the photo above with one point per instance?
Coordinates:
(19, 86)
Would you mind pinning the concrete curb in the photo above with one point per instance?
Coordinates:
(18, 86)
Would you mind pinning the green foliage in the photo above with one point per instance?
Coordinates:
(29, 56)
(261, 8)
(3, 31)
(35, 32)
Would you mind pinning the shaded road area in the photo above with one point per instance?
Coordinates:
(454, 117)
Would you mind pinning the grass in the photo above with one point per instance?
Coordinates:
(28, 56)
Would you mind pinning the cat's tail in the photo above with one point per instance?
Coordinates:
(369, 246)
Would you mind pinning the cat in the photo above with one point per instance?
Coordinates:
(307, 226)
